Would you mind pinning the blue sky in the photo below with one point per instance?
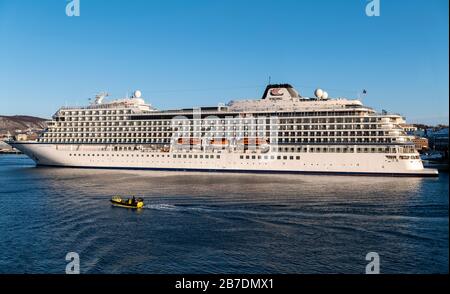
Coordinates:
(193, 53)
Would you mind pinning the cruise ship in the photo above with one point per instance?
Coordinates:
(282, 132)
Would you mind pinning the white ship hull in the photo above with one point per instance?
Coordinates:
(95, 156)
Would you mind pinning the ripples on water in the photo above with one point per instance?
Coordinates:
(219, 223)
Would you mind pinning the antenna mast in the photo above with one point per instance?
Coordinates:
(99, 97)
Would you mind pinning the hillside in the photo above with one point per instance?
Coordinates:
(20, 122)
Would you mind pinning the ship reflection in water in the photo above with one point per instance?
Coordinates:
(219, 223)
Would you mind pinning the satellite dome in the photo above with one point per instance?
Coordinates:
(137, 94)
(318, 93)
(324, 95)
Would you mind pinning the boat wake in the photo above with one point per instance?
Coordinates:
(162, 207)
(171, 207)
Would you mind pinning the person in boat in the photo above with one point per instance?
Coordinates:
(133, 201)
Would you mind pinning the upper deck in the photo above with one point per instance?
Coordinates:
(276, 99)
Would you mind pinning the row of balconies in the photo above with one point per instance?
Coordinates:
(218, 121)
(197, 134)
(279, 139)
(241, 128)
(233, 120)
(231, 133)
(64, 128)
(343, 113)
(94, 112)
(162, 140)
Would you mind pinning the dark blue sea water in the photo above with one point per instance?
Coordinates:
(216, 223)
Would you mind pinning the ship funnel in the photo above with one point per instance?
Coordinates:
(279, 92)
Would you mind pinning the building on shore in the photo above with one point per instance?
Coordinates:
(439, 140)
(21, 137)
(420, 143)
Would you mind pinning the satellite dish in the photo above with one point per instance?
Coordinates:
(137, 94)
(318, 93)
(324, 95)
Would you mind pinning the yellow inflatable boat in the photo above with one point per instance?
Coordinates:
(128, 203)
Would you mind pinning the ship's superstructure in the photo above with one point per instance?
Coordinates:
(281, 132)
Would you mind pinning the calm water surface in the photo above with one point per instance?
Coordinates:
(216, 223)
